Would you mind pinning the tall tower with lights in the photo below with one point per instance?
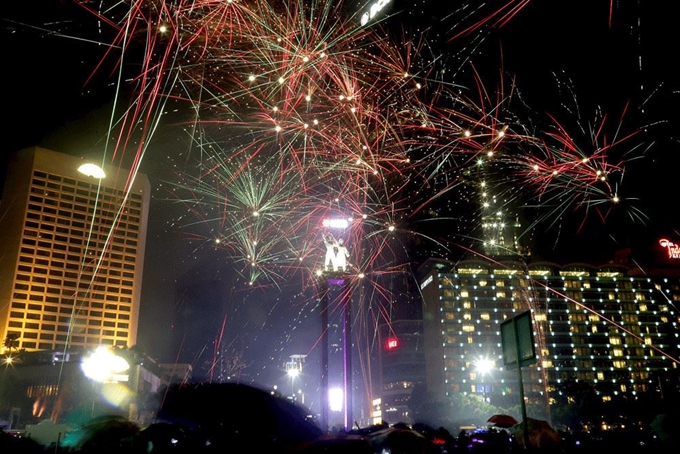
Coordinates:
(499, 224)
(73, 240)
(333, 279)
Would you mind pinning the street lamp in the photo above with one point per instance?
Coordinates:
(292, 373)
(484, 366)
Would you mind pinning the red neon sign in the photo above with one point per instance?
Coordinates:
(392, 343)
(672, 248)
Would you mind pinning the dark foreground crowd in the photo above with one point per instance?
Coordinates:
(233, 419)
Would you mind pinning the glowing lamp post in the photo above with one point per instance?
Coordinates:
(483, 368)
(292, 373)
(294, 370)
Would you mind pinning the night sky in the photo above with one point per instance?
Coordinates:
(571, 62)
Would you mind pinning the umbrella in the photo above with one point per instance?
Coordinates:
(541, 434)
(502, 421)
(230, 413)
(399, 440)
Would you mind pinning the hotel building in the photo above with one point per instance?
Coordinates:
(72, 254)
(607, 327)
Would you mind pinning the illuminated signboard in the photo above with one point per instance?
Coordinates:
(672, 248)
(391, 343)
(335, 223)
(373, 10)
(338, 282)
(426, 282)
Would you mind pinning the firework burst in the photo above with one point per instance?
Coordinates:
(294, 113)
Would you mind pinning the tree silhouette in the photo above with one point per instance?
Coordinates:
(11, 342)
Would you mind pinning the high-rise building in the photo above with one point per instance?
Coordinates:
(607, 326)
(402, 368)
(71, 253)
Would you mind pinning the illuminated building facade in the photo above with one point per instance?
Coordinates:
(72, 254)
(602, 326)
(402, 366)
(499, 234)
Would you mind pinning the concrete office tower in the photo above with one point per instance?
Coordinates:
(71, 254)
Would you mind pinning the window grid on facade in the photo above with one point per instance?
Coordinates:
(78, 254)
(596, 327)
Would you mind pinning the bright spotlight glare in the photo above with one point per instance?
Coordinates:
(92, 170)
(484, 366)
(335, 398)
(102, 364)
